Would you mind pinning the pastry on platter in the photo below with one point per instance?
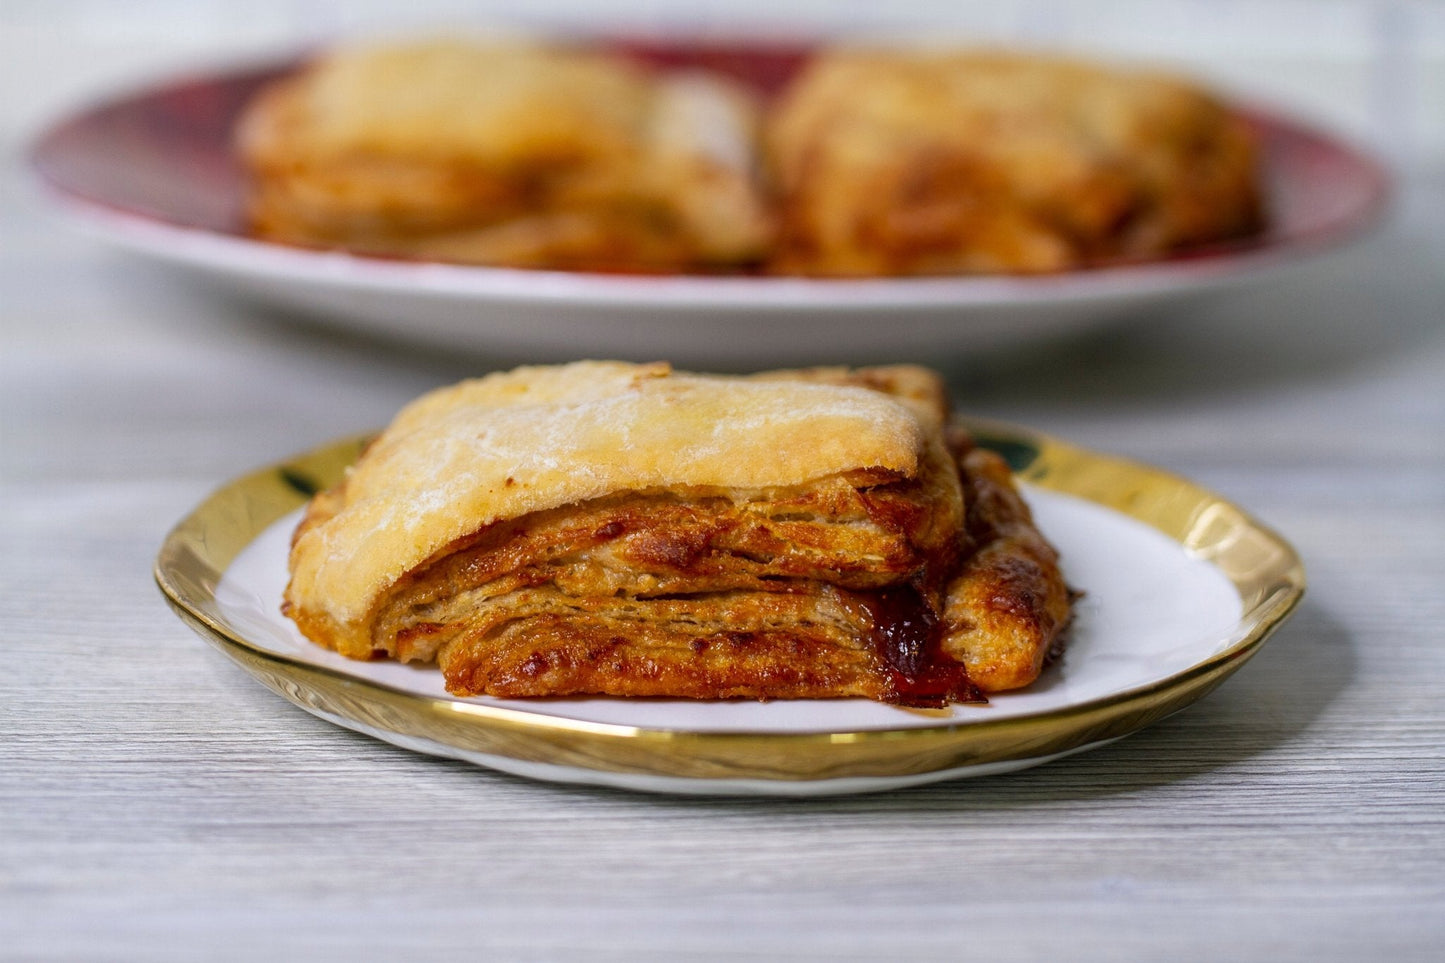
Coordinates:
(913, 162)
(602, 528)
(507, 153)
(866, 162)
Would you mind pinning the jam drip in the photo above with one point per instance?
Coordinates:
(909, 637)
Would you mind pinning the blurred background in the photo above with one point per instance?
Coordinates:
(1373, 70)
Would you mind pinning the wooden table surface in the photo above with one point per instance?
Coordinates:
(155, 803)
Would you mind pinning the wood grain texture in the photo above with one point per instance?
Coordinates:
(156, 804)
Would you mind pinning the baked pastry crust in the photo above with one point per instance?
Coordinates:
(605, 528)
(892, 162)
(507, 152)
(870, 163)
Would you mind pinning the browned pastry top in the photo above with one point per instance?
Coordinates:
(625, 529)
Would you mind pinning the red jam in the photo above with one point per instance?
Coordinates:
(909, 636)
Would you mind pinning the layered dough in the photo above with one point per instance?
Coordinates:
(870, 162)
(896, 163)
(508, 152)
(603, 528)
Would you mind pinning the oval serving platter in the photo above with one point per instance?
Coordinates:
(1180, 589)
(153, 171)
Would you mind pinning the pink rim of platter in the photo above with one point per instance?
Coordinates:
(154, 171)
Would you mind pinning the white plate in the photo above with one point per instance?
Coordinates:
(153, 172)
(1162, 620)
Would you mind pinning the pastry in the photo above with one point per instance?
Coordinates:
(629, 530)
(507, 153)
(907, 163)
(867, 163)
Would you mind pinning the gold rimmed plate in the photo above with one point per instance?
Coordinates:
(1181, 588)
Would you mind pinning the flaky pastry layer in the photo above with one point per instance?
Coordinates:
(892, 162)
(514, 153)
(871, 162)
(828, 540)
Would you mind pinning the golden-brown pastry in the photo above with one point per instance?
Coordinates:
(628, 530)
(892, 163)
(510, 153)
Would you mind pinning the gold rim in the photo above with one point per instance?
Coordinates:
(1264, 569)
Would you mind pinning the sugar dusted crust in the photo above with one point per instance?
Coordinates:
(603, 528)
